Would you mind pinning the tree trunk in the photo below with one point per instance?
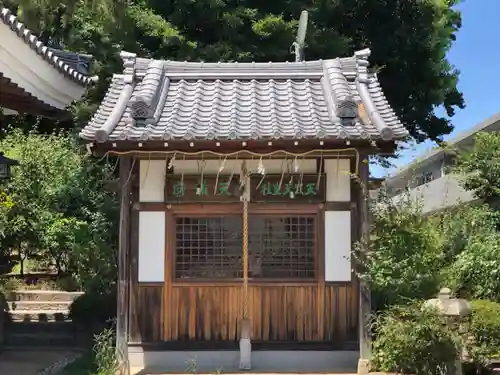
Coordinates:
(21, 265)
(58, 266)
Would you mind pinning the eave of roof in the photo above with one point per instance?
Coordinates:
(48, 54)
(167, 100)
(19, 100)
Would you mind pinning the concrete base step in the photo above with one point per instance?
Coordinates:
(39, 316)
(44, 295)
(227, 361)
(34, 339)
(39, 305)
(40, 327)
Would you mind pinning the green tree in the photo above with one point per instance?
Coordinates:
(460, 224)
(61, 238)
(404, 256)
(476, 271)
(409, 40)
(480, 168)
(470, 249)
(61, 210)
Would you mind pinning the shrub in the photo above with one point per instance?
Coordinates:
(484, 329)
(411, 340)
(62, 213)
(104, 352)
(93, 310)
(9, 285)
(404, 255)
(476, 270)
(461, 223)
(68, 283)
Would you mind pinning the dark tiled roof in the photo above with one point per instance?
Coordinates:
(64, 62)
(164, 100)
(81, 63)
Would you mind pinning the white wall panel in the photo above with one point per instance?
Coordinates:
(152, 180)
(338, 246)
(338, 180)
(151, 246)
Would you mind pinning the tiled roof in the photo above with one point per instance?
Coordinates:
(59, 59)
(165, 100)
(80, 62)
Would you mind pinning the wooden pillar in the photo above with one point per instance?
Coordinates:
(123, 254)
(364, 291)
(133, 261)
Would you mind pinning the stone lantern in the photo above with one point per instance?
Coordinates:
(454, 309)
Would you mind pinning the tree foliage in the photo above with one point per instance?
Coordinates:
(404, 254)
(476, 270)
(480, 168)
(411, 255)
(461, 224)
(484, 327)
(461, 248)
(412, 340)
(61, 211)
(409, 40)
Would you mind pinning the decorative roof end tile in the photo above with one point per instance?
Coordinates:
(128, 66)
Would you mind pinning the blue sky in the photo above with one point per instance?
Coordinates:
(476, 54)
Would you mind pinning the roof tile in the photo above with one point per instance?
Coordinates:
(164, 100)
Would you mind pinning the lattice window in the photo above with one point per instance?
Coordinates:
(282, 247)
(208, 247)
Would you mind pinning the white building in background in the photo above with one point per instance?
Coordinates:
(430, 178)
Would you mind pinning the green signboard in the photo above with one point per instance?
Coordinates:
(268, 188)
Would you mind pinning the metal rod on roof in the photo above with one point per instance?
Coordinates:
(298, 45)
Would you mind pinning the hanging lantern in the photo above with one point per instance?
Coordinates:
(5, 164)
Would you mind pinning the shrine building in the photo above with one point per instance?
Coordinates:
(243, 192)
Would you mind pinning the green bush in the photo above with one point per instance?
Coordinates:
(484, 329)
(62, 213)
(404, 257)
(476, 271)
(93, 310)
(68, 283)
(411, 340)
(462, 223)
(9, 285)
(104, 352)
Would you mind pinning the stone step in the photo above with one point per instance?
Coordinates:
(43, 295)
(39, 316)
(39, 305)
(34, 339)
(40, 327)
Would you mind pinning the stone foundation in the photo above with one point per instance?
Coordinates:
(228, 361)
